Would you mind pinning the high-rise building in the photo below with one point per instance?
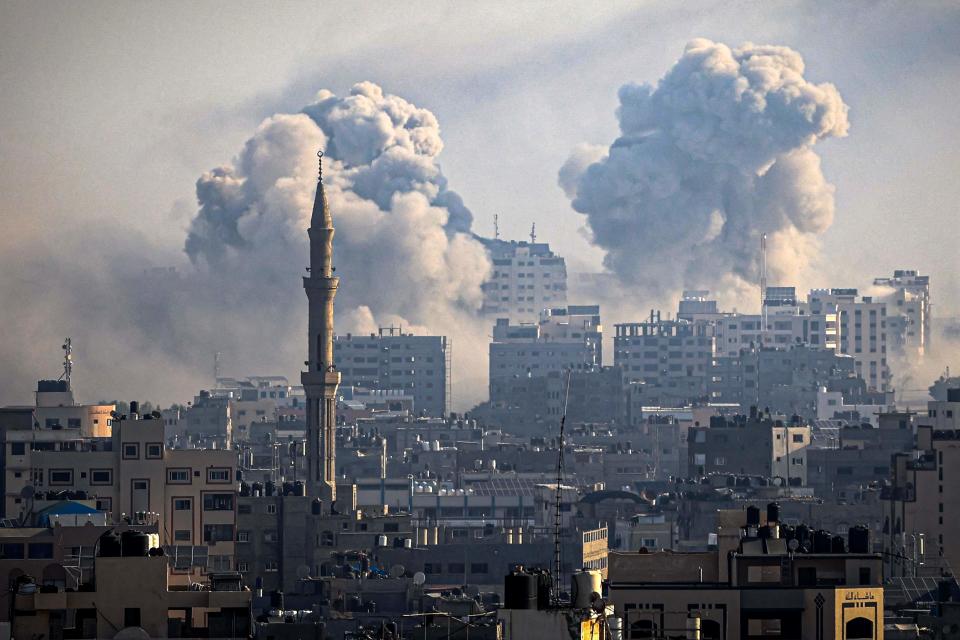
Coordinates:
(394, 360)
(565, 338)
(321, 379)
(908, 311)
(527, 278)
(862, 330)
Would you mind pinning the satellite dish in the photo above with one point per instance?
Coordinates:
(794, 544)
(303, 572)
(397, 571)
(27, 492)
(419, 578)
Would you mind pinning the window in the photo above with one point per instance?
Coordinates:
(101, 476)
(11, 551)
(456, 567)
(218, 475)
(244, 508)
(431, 568)
(18, 448)
(218, 502)
(798, 438)
(242, 566)
(181, 535)
(271, 509)
(720, 461)
(218, 563)
(178, 476)
(217, 533)
(131, 617)
(131, 451)
(270, 565)
(182, 504)
(61, 476)
(104, 504)
(73, 423)
(243, 536)
(154, 450)
(479, 567)
(40, 550)
(52, 423)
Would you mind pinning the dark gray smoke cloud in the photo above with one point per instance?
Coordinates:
(403, 250)
(719, 152)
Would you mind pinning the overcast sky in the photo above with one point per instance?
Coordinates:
(110, 111)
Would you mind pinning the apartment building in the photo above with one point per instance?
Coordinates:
(392, 359)
(908, 311)
(923, 512)
(761, 582)
(527, 277)
(132, 475)
(567, 338)
(755, 445)
(863, 331)
(665, 353)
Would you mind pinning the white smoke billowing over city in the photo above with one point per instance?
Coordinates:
(402, 249)
(718, 153)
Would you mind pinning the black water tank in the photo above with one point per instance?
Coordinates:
(134, 544)
(821, 541)
(838, 545)
(773, 512)
(519, 591)
(316, 507)
(765, 532)
(276, 600)
(859, 539)
(269, 488)
(257, 489)
(753, 515)
(299, 489)
(244, 489)
(288, 488)
(110, 545)
(802, 533)
(544, 589)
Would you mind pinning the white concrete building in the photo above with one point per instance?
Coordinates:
(527, 278)
(392, 359)
(565, 338)
(908, 311)
(863, 331)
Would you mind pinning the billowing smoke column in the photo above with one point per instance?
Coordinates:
(718, 153)
(403, 247)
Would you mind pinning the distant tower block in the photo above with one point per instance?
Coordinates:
(321, 380)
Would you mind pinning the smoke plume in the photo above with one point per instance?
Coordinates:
(403, 250)
(718, 153)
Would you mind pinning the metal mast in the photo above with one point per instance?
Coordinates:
(557, 557)
(67, 361)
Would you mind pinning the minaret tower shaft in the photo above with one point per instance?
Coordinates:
(321, 380)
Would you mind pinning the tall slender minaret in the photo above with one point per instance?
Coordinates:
(321, 380)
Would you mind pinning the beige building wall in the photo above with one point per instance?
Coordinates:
(189, 493)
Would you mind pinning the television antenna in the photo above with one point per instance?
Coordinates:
(557, 559)
(67, 361)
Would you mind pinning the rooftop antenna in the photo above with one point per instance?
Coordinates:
(216, 367)
(557, 560)
(496, 227)
(763, 286)
(533, 233)
(67, 361)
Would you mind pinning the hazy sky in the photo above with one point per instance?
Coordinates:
(110, 111)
